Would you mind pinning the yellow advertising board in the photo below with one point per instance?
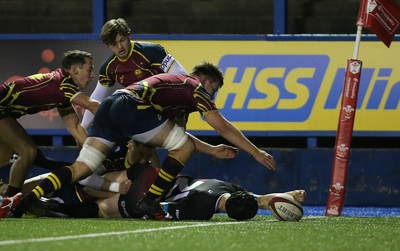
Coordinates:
(292, 87)
(296, 85)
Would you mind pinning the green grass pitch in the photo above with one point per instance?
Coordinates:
(220, 233)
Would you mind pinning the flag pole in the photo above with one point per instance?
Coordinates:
(344, 132)
(357, 43)
(384, 21)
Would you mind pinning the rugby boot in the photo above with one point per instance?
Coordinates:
(152, 210)
(9, 204)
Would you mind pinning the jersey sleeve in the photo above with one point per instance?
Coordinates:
(106, 77)
(70, 92)
(205, 105)
(158, 56)
(155, 53)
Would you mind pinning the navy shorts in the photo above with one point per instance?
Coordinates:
(118, 118)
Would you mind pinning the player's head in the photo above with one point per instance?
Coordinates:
(75, 57)
(210, 70)
(79, 64)
(112, 28)
(241, 205)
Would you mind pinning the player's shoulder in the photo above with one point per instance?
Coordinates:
(58, 75)
(154, 53)
(145, 46)
(107, 63)
(109, 59)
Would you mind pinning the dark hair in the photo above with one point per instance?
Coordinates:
(74, 57)
(112, 28)
(241, 205)
(209, 69)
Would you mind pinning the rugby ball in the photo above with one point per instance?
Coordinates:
(285, 208)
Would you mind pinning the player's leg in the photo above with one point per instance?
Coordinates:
(86, 209)
(31, 183)
(154, 159)
(54, 208)
(180, 147)
(44, 161)
(91, 156)
(14, 137)
(108, 208)
(6, 154)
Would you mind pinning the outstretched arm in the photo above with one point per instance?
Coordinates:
(236, 137)
(263, 200)
(86, 102)
(71, 121)
(98, 182)
(219, 151)
(99, 93)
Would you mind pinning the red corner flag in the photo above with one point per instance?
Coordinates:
(382, 17)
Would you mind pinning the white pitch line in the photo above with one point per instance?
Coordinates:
(95, 235)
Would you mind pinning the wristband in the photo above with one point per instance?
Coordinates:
(114, 187)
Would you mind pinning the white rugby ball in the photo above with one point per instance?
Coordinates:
(285, 208)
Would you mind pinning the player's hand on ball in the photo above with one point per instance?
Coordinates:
(285, 208)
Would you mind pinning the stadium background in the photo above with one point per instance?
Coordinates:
(303, 41)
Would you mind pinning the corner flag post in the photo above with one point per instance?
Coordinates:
(343, 137)
(383, 18)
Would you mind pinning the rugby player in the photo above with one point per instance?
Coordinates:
(130, 62)
(188, 199)
(146, 112)
(40, 92)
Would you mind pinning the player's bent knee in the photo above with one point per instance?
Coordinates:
(177, 137)
(92, 157)
(28, 152)
(103, 210)
(79, 171)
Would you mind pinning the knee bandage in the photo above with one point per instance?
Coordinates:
(176, 138)
(92, 157)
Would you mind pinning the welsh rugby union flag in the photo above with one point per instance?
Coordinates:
(382, 17)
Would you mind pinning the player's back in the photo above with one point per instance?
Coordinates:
(175, 95)
(197, 199)
(39, 92)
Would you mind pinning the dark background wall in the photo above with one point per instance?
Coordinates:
(373, 176)
(373, 170)
(180, 16)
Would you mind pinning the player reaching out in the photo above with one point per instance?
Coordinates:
(130, 61)
(146, 111)
(40, 92)
(188, 198)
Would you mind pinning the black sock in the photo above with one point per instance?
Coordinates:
(169, 170)
(53, 182)
(51, 164)
(24, 205)
(11, 191)
(87, 209)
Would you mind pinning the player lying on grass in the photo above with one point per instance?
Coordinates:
(188, 199)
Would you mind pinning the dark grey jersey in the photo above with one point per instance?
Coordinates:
(196, 199)
(187, 199)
